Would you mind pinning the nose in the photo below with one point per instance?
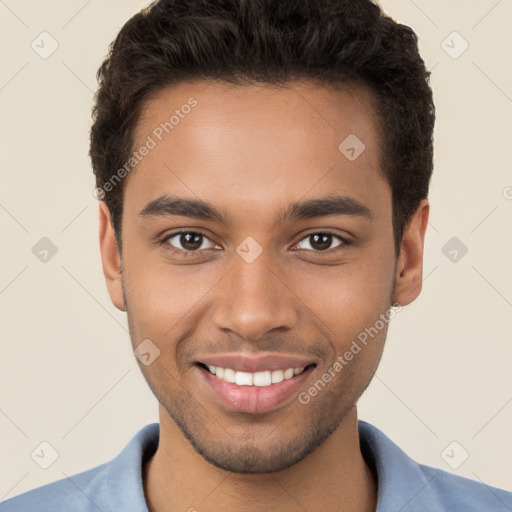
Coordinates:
(254, 299)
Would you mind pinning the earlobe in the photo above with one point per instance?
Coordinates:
(110, 257)
(409, 268)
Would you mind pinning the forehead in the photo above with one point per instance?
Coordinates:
(253, 147)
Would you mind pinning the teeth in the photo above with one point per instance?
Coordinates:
(265, 378)
(277, 376)
(243, 379)
(288, 374)
(229, 375)
(262, 378)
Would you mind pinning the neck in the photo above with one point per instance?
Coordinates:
(333, 477)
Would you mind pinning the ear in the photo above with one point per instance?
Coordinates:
(110, 258)
(409, 268)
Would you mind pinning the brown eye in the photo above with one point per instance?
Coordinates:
(322, 241)
(187, 241)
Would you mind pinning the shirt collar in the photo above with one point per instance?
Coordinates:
(124, 486)
(400, 480)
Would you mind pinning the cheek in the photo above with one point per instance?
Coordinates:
(164, 299)
(347, 298)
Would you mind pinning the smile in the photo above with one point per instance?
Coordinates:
(263, 378)
(257, 392)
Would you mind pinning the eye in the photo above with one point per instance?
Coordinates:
(190, 243)
(322, 240)
(187, 241)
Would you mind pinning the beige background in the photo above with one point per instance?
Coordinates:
(67, 373)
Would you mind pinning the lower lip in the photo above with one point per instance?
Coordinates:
(254, 399)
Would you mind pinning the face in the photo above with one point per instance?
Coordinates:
(252, 242)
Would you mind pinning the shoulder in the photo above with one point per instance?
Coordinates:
(406, 485)
(454, 492)
(82, 492)
(110, 487)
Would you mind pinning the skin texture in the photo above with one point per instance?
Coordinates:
(251, 151)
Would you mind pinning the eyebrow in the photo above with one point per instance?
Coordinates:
(166, 205)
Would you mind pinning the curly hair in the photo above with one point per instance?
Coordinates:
(333, 42)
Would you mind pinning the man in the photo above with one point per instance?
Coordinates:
(263, 171)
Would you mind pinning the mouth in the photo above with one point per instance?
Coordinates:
(253, 392)
(259, 379)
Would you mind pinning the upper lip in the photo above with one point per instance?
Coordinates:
(253, 364)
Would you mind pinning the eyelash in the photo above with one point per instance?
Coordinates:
(186, 254)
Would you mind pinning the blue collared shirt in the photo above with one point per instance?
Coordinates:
(403, 484)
